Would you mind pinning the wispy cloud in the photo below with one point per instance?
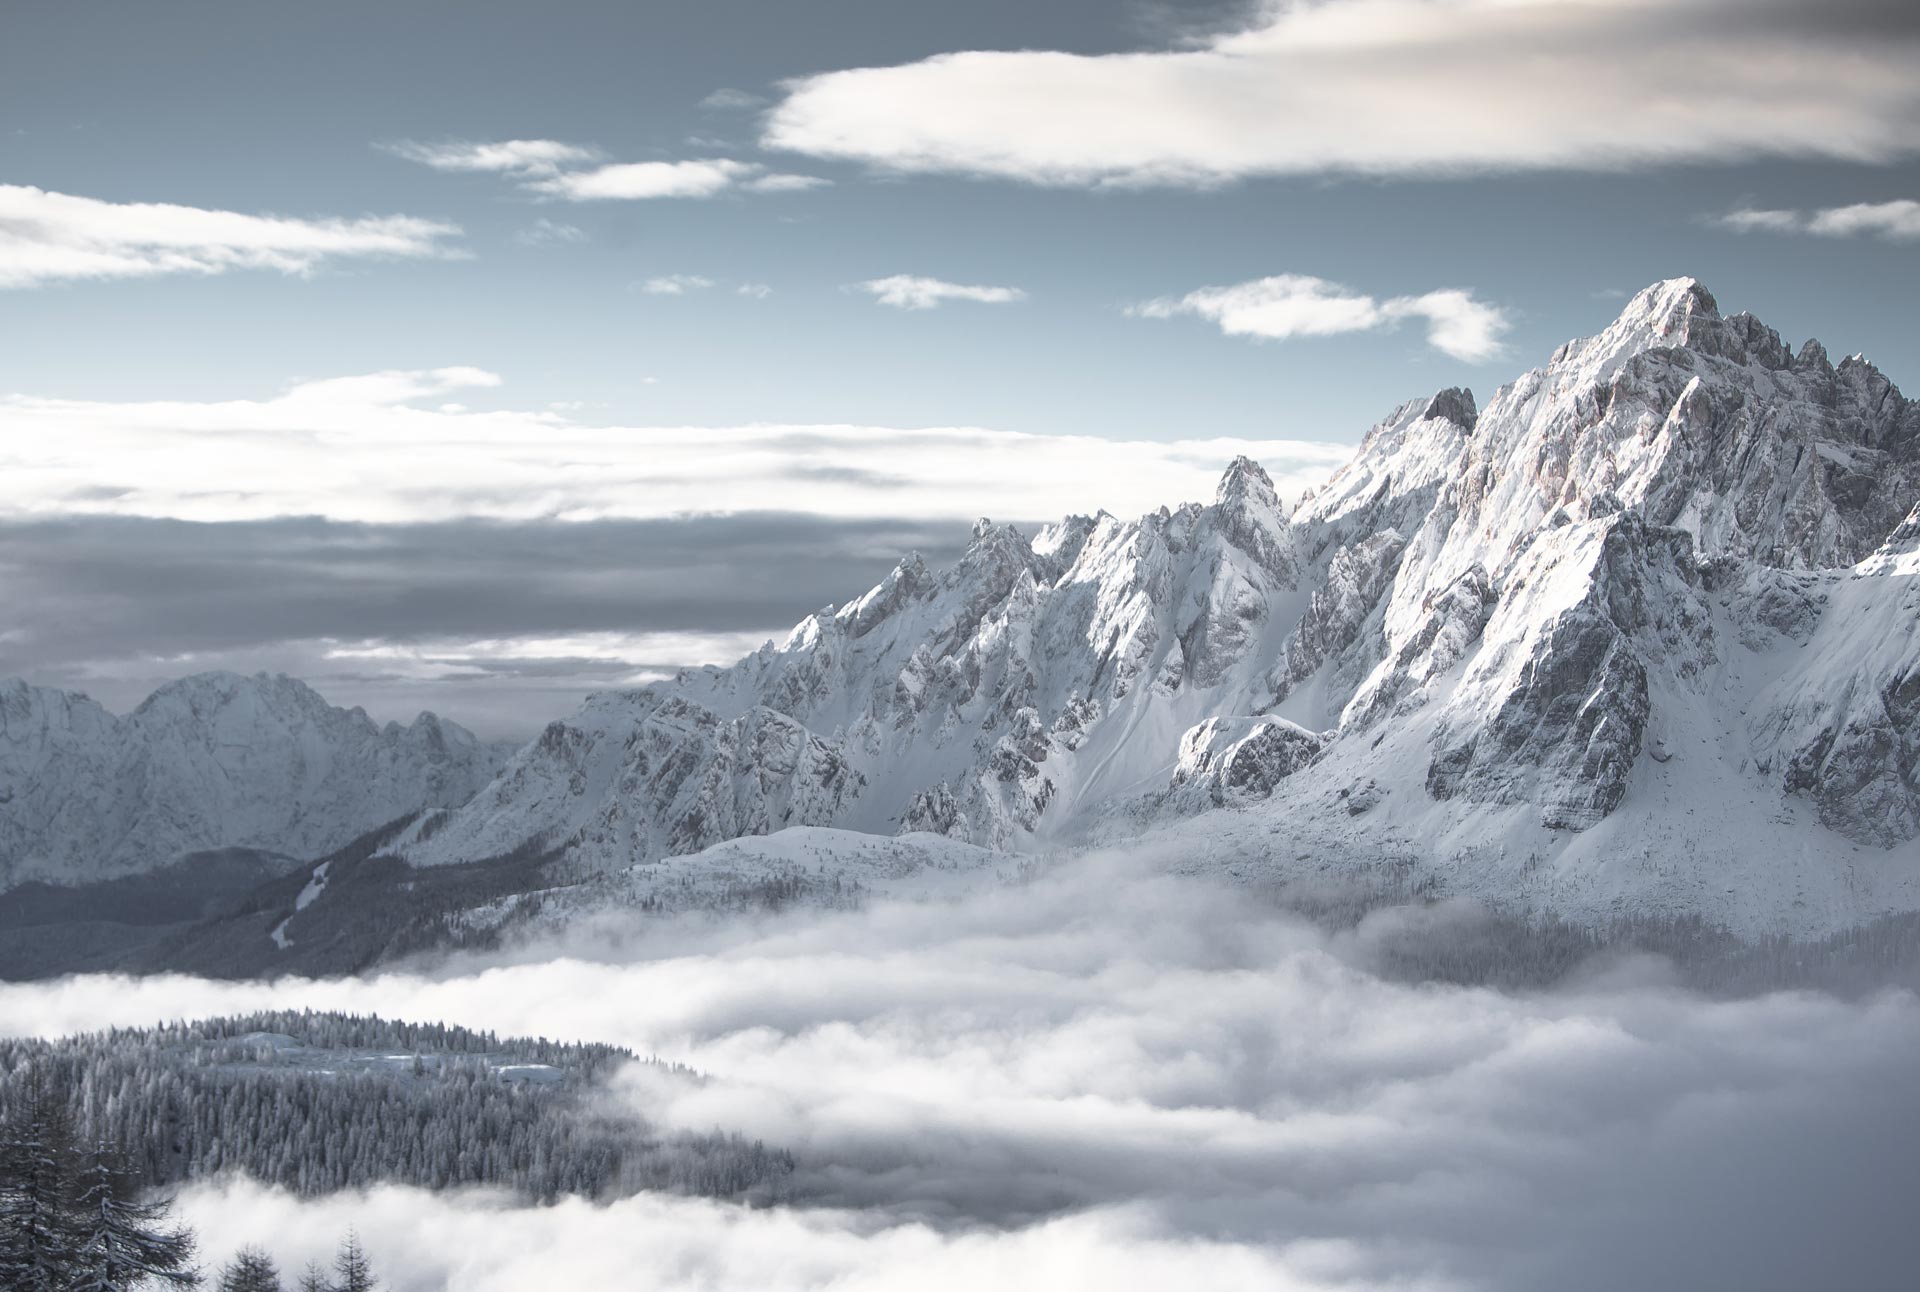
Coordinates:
(562, 170)
(630, 181)
(508, 156)
(1394, 87)
(1897, 221)
(1295, 305)
(755, 291)
(48, 237)
(544, 233)
(641, 181)
(728, 100)
(784, 183)
(675, 284)
(914, 292)
(389, 447)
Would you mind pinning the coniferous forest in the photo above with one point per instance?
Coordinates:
(96, 1129)
(315, 1103)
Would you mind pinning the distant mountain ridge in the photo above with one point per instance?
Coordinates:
(216, 760)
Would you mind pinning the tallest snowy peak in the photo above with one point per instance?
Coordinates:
(1669, 308)
(1667, 315)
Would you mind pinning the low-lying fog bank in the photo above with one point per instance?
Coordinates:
(1107, 1077)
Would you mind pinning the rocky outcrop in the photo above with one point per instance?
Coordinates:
(1238, 760)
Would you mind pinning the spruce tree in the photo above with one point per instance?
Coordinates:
(251, 1270)
(314, 1279)
(124, 1240)
(39, 1239)
(352, 1271)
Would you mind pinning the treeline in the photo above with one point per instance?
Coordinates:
(84, 1219)
(320, 1102)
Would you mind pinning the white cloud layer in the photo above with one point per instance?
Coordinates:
(1294, 305)
(1399, 87)
(49, 237)
(914, 292)
(481, 658)
(510, 156)
(1107, 1077)
(392, 447)
(1897, 221)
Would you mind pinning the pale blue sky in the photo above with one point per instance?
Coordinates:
(255, 108)
(276, 108)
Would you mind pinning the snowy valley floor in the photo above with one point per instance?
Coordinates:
(1105, 1076)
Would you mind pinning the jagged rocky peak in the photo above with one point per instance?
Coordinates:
(1252, 517)
(1699, 422)
(1666, 315)
(1454, 404)
(908, 581)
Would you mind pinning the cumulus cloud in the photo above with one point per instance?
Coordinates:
(754, 291)
(49, 237)
(510, 156)
(1394, 87)
(1162, 1081)
(914, 292)
(1295, 305)
(642, 181)
(1897, 221)
(385, 448)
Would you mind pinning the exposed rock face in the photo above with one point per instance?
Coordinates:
(1498, 609)
(1342, 609)
(1843, 726)
(211, 761)
(1557, 713)
(1240, 759)
(1456, 615)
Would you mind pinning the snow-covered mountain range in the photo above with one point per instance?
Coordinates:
(212, 761)
(1671, 570)
(1642, 632)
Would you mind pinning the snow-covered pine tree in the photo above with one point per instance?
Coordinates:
(38, 1239)
(352, 1271)
(124, 1239)
(314, 1279)
(251, 1270)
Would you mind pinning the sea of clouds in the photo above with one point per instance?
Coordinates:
(1109, 1078)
